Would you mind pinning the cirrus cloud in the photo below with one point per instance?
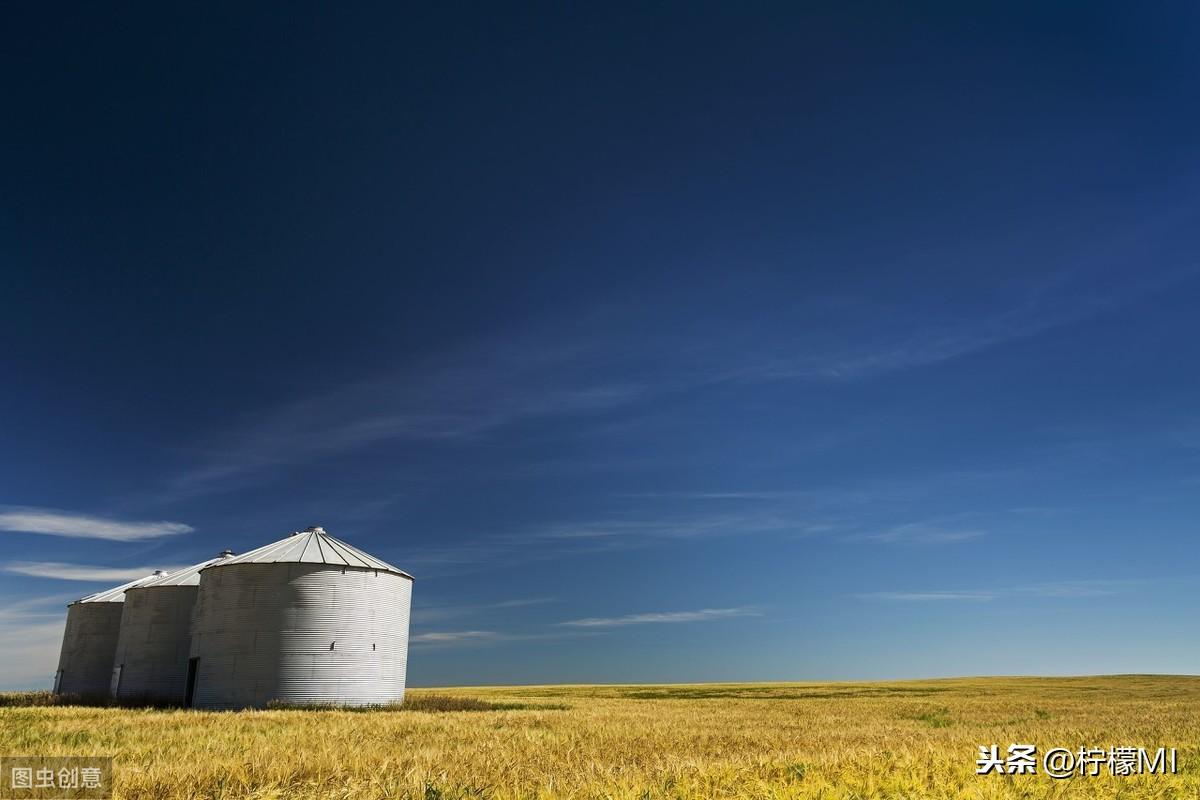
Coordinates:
(79, 572)
(51, 522)
(663, 617)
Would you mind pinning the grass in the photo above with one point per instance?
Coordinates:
(430, 703)
(832, 741)
(416, 701)
(26, 699)
(44, 698)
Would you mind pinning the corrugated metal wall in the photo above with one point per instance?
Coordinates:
(85, 663)
(152, 650)
(299, 633)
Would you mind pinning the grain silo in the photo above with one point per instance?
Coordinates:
(307, 619)
(85, 664)
(151, 658)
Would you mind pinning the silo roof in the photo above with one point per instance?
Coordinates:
(311, 546)
(183, 577)
(117, 593)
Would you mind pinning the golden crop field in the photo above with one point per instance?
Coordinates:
(837, 741)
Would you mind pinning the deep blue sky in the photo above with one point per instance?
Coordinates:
(665, 343)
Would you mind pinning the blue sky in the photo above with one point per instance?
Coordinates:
(671, 344)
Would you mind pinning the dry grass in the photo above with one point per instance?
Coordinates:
(864, 741)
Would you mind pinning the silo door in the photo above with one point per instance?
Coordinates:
(115, 684)
(188, 692)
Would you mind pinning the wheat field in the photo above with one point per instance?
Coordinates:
(836, 741)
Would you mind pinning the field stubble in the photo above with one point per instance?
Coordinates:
(836, 741)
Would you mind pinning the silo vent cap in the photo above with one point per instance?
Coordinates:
(313, 529)
(225, 554)
(159, 572)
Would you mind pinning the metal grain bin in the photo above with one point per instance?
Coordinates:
(307, 619)
(156, 635)
(85, 664)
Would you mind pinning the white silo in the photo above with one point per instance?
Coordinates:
(152, 651)
(85, 664)
(307, 619)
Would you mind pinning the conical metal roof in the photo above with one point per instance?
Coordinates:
(117, 593)
(311, 546)
(189, 576)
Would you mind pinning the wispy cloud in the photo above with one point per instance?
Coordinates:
(927, 597)
(1066, 589)
(604, 366)
(454, 637)
(674, 526)
(598, 362)
(65, 523)
(610, 534)
(893, 342)
(723, 494)
(578, 627)
(865, 514)
(664, 617)
(522, 602)
(437, 613)
(459, 397)
(481, 637)
(920, 533)
(1078, 588)
(79, 572)
(886, 343)
(867, 361)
